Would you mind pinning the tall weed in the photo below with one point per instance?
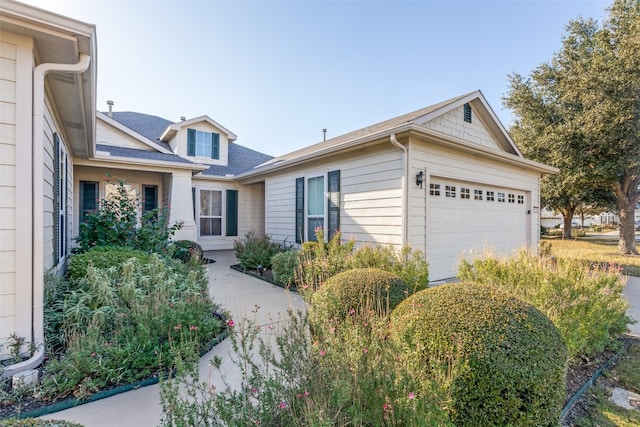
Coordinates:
(584, 301)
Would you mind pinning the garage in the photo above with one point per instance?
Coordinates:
(465, 219)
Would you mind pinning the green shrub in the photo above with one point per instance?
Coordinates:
(283, 266)
(115, 223)
(585, 302)
(511, 361)
(253, 251)
(118, 324)
(408, 264)
(360, 292)
(102, 257)
(186, 250)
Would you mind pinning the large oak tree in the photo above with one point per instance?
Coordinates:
(580, 112)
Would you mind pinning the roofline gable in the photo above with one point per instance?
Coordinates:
(172, 129)
(482, 108)
(116, 124)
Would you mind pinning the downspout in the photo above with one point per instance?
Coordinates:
(405, 189)
(37, 260)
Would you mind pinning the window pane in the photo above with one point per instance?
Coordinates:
(203, 144)
(315, 196)
(216, 203)
(205, 202)
(210, 226)
(312, 224)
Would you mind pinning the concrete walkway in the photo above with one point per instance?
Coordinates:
(235, 292)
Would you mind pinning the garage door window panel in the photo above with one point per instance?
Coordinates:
(465, 193)
(512, 198)
(434, 189)
(477, 194)
(450, 191)
(500, 197)
(490, 196)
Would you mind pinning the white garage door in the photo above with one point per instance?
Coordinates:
(466, 219)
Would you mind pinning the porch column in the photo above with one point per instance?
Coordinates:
(181, 205)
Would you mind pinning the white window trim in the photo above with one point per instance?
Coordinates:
(307, 177)
(223, 210)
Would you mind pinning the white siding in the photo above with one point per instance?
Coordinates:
(108, 135)
(452, 123)
(370, 196)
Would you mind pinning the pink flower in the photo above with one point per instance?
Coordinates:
(93, 354)
(352, 311)
(322, 352)
(365, 350)
(231, 322)
(306, 393)
(177, 327)
(282, 405)
(411, 395)
(193, 328)
(254, 390)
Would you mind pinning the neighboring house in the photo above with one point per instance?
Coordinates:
(446, 179)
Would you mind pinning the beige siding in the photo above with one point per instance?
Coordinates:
(446, 163)
(106, 134)
(8, 65)
(179, 144)
(370, 196)
(452, 123)
(48, 189)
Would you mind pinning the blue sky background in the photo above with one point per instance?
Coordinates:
(277, 73)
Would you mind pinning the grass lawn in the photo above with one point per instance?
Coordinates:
(594, 249)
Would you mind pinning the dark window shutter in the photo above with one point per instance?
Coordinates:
(56, 198)
(333, 210)
(467, 113)
(191, 142)
(193, 200)
(232, 212)
(150, 194)
(299, 209)
(215, 146)
(88, 198)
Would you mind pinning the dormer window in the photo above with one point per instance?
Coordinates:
(203, 144)
(467, 113)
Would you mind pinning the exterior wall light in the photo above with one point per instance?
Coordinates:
(420, 178)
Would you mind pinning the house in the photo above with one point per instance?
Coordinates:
(446, 179)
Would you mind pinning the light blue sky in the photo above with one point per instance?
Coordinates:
(277, 73)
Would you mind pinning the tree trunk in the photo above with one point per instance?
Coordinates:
(627, 199)
(567, 216)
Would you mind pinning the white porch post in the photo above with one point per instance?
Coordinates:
(181, 205)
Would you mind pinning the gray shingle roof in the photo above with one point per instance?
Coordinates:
(151, 127)
(142, 154)
(241, 159)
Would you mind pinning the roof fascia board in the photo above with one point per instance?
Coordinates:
(109, 120)
(133, 162)
(174, 127)
(39, 19)
(434, 136)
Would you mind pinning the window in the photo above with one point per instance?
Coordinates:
(477, 194)
(316, 204)
(434, 189)
(520, 199)
(89, 196)
(465, 193)
(149, 198)
(210, 213)
(467, 113)
(60, 197)
(203, 144)
(450, 191)
(500, 197)
(511, 198)
(490, 196)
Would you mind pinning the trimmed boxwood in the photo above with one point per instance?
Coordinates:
(186, 250)
(360, 291)
(505, 362)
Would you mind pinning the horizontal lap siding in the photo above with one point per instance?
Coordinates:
(370, 196)
(107, 135)
(8, 67)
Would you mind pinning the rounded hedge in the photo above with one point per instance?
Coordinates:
(186, 250)
(360, 291)
(504, 362)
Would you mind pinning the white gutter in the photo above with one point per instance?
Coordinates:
(37, 295)
(405, 189)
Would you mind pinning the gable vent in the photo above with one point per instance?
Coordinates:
(467, 113)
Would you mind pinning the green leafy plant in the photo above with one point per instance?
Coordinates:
(510, 361)
(583, 300)
(115, 223)
(33, 422)
(283, 266)
(186, 250)
(102, 257)
(253, 251)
